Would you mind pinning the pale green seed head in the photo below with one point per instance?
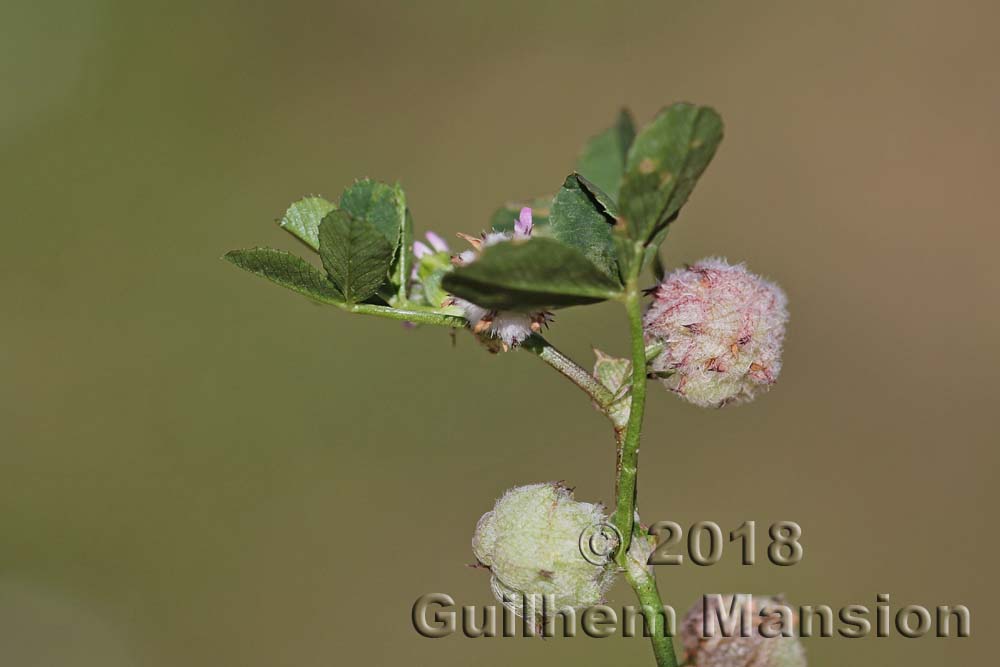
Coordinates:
(531, 543)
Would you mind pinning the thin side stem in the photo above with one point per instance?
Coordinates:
(416, 315)
(535, 343)
(570, 370)
(629, 456)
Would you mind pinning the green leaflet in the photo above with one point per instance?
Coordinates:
(622, 246)
(384, 206)
(579, 220)
(603, 158)
(605, 202)
(287, 270)
(355, 255)
(303, 217)
(528, 275)
(664, 164)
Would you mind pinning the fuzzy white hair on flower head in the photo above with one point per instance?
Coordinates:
(510, 327)
(722, 329)
(530, 542)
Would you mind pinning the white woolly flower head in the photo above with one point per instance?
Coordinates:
(722, 329)
(510, 328)
(705, 645)
(530, 541)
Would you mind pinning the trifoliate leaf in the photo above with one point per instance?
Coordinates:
(287, 270)
(384, 206)
(664, 164)
(534, 274)
(355, 254)
(580, 221)
(603, 158)
(303, 217)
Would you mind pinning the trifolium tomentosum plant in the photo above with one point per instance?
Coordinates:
(711, 332)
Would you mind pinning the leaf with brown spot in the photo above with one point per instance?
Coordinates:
(664, 163)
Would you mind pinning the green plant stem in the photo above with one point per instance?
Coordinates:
(644, 585)
(570, 370)
(628, 458)
(643, 581)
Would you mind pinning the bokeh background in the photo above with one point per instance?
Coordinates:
(200, 468)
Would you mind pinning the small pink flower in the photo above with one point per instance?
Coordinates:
(523, 226)
(436, 242)
(420, 249)
(722, 328)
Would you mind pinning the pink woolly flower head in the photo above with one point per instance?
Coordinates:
(721, 327)
(707, 644)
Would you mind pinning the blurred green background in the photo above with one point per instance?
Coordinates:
(200, 468)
